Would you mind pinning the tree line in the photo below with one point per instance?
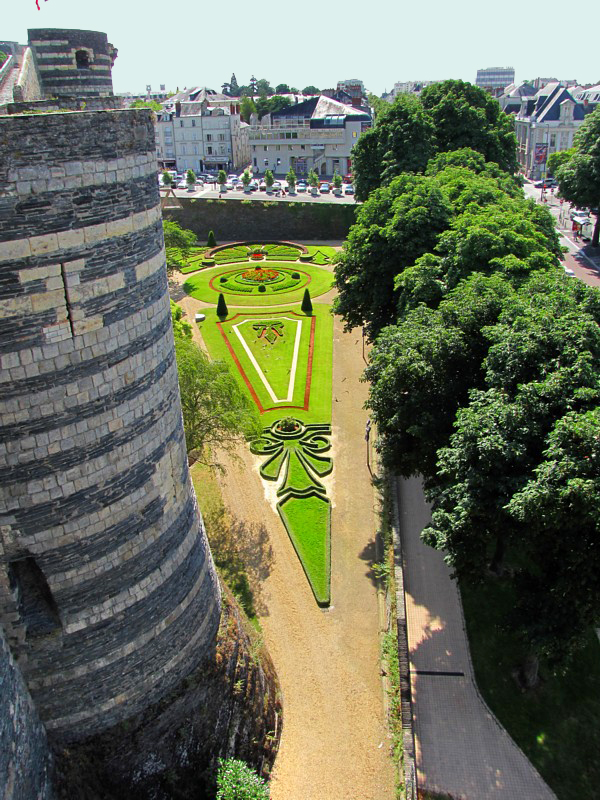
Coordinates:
(484, 371)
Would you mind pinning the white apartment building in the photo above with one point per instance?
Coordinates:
(316, 134)
(197, 136)
(545, 122)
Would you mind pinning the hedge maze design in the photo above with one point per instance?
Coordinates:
(303, 505)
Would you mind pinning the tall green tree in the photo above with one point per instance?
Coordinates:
(310, 90)
(233, 86)
(269, 179)
(264, 87)
(282, 88)
(147, 104)
(558, 159)
(464, 115)
(247, 108)
(396, 225)
(401, 141)
(178, 244)
(217, 415)
(291, 179)
(579, 178)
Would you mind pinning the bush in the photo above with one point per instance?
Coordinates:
(295, 275)
(236, 781)
(306, 303)
(305, 256)
(208, 262)
(211, 241)
(262, 288)
(222, 309)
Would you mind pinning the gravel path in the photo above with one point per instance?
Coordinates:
(335, 744)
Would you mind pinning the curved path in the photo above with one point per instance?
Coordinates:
(461, 748)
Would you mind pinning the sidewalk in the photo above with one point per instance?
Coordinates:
(461, 749)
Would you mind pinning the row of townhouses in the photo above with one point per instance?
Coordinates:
(203, 130)
(546, 120)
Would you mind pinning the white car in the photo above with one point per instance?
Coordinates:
(348, 188)
(301, 186)
(229, 186)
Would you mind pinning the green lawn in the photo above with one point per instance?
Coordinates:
(317, 280)
(557, 725)
(307, 520)
(275, 359)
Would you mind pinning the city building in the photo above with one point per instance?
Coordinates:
(202, 137)
(545, 122)
(495, 79)
(406, 87)
(317, 134)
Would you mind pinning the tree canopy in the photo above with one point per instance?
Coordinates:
(448, 116)
(217, 414)
(579, 177)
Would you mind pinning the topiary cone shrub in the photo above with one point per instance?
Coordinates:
(307, 303)
(222, 310)
(211, 241)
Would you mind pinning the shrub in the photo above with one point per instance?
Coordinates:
(223, 279)
(222, 310)
(211, 241)
(208, 262)
(236, 781)
(295, 275)
(306, 303)
(305, 256)
(262, 288)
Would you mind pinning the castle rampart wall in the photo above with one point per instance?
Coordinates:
(108, 592)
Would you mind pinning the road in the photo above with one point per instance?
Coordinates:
(581, 257)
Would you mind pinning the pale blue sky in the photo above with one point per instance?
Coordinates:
(190, 42)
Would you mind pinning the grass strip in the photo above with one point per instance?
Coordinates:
(308, 523)
(557, 725)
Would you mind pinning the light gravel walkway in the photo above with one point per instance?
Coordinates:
(461, 748)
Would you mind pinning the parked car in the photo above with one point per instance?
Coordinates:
(232, 177)
(235, 180)
(229, 186)
(276, 185)
(300, 186)
(262, 186)
(182, 183)
(348, 188)
(324, 188)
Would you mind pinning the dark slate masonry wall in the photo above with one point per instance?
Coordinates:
(73, 62)
(24, 755)
(108, 593)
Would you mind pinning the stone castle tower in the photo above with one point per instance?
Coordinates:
(108, 593)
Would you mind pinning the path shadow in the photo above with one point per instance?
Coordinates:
(369, 554)
(240, 548)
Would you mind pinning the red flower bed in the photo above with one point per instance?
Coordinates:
(260, 275)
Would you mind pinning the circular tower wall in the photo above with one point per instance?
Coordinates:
(108, 593)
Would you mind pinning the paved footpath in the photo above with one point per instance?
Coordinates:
(461, 749)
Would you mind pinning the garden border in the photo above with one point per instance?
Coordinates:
(249, 386)
(247, 243)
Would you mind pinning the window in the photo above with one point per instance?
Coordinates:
(37, 607)
(181, 123)
(254, 148)
(552, 140)
(193, 123)
(302, 147)
(278, 147)
(209, 151)
(209, 137)
(82, 59)
(265, 148)
(254, 160)
(221, 137)
(290, 146)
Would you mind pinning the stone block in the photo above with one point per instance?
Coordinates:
(40, 245)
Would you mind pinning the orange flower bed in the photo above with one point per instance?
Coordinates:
(260, 275)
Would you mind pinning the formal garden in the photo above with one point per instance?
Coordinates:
(279, 345)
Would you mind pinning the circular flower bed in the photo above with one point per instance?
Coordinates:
(259, 275)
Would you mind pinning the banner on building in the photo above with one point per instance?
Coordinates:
(541, 153)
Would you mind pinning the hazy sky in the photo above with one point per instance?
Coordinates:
(190, 42)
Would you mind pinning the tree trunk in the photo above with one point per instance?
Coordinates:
(497, 563)
(596, 234)
(529, 672)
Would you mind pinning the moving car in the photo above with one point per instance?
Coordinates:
(547, 183)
